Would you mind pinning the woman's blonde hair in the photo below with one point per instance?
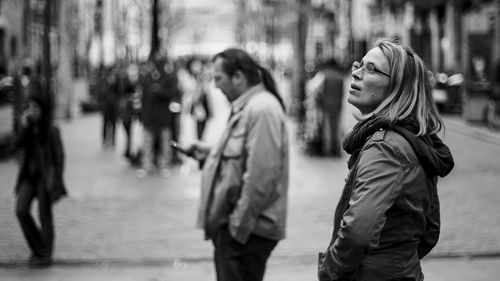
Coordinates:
(409, 94)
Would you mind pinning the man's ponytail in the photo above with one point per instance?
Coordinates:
(269, 83)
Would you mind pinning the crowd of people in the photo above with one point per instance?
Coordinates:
(387, 218)
(154, 95)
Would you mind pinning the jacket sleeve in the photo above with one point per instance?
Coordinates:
(59, 156)
(432, 228)
(59, 189)
(263, 159)
(377, 183)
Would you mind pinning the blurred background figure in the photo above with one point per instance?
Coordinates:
(199, 104)
(128, 110)
(330, 100)
(324, 95)
(40, 174)
(109, 95)
(21, 93)
(159, 88)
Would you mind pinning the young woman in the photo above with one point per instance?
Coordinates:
(40, 174)
(387, 218)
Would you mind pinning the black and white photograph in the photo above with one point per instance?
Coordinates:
(249, 140)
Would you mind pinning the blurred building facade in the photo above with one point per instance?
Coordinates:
(266, 29)
(441, 31)
(11, 33)
(202, 27)
(452, 36)
(21, 31)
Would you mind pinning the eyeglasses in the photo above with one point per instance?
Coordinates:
(369, 67)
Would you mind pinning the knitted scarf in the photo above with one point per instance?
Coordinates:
(433, 154)
(355, 139)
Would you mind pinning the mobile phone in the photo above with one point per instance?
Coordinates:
(181, 149)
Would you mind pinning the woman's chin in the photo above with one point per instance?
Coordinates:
(352, 101)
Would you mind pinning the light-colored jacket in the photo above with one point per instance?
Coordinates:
(245, 179)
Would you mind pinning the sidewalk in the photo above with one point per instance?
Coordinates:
(117, 227)
(290, 269)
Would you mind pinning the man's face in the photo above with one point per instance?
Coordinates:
(223, 81)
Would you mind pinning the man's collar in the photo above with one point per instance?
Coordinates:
(242, 100)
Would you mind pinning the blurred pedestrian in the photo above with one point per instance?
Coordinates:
(41, 173)
(22, 83)
(245, 179)
(387, 218)
(109, 96)
(199, 105)
(159, 89)
(330, 101)
(325, 92)
(313, 127)
(127, 78)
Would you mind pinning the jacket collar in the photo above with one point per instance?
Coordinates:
(238, 104)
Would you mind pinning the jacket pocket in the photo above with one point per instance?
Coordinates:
(234, 146)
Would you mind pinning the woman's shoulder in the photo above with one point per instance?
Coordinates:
(395, 141)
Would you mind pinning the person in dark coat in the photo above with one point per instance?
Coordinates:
(21, 87)
(109, 95)
(40, 174)
(126, 109)
(330, 102)
(159, 90)
(387, 218)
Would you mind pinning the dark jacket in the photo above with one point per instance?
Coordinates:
(157, 93)
(49, 157)
(333, 91)
(388, 216)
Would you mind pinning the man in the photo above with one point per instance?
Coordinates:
(245, 179)
(159, 89)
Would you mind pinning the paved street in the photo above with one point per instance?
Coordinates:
(114, 226)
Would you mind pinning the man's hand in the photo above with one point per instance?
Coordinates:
(199, 150)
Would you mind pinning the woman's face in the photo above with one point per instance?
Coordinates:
(368, 88)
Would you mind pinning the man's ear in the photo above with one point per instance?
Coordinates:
(238, 77)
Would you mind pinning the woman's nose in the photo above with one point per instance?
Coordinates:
(357, 74)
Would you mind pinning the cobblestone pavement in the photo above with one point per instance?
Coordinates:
(289, 269)
(112, 215)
